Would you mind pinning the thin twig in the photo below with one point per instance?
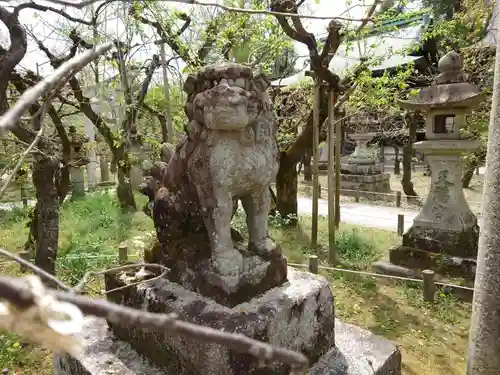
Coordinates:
(73, 65)
(19, 294)
(83, 4)
(78, 288)
(15, 140)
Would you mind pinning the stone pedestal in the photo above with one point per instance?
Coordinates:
(363, 171)
(105, 173)
(77, 182)
(190, 266)
(444, 235)
(445, 224)
(298, 315)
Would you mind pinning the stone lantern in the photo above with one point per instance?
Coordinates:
(78, 160)
(445, 226)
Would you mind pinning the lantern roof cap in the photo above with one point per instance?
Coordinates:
(450, 90)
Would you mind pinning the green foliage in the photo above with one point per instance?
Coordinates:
(459, 28)
(354, 250)
(257, 40)
(14, 353)
(155, 98)
(377, 95)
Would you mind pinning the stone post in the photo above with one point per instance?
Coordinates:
(78, 160)
(92, 165)
(135, 153)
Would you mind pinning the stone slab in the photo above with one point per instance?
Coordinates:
(104, 355)
(411, 257)
(462, 243)
(298, 315)
(358, 352)
(362, 169)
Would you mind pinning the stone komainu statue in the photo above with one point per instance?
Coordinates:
(230, 153)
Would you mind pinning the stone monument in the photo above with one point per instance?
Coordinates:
(230, 154)
(444, 234)
(363, 170)
(78, 160)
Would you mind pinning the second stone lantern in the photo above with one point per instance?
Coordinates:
(444, 234)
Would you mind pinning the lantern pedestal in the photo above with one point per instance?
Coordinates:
(445, 223)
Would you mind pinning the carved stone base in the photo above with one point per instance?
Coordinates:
(298, 315)
(361, 169)
(191, 267)
(439, 262)
(377, 183)
(452, 243)
(357, 352)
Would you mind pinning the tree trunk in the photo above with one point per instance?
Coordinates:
(406, 183)
(124, 189)
(307, 167)
(396, 160)
(46, 220)
(471, 166)
(286, 188)
(469, 173)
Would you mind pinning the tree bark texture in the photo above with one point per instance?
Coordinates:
(45, 171)
(396, 161)
(124, 188)
(471, 167)
(286, 187)
(307, 166)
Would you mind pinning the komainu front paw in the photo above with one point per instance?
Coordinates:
(265, 247)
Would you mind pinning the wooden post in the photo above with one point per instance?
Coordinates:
(313, 264)
(24, 197)
(331, 181)
(316, 109)
(429, 285)
(401, 224)
(123, 253)
(398, 198)
(338, 139)
(477, 171)
(358, 194)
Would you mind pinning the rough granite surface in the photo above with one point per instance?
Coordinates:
(358, 352)
(298, 315)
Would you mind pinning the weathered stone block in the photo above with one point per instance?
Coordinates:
(298, 315)
(358, 352)
(104, 355)
(452, 243)
(379, 183)
(193, 270)
(420, 259)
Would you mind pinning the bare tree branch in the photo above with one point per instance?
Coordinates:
(32, 94)
(43, 8)
(83, 4)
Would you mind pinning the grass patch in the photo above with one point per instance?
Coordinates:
(433, 338)
(91, 230)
